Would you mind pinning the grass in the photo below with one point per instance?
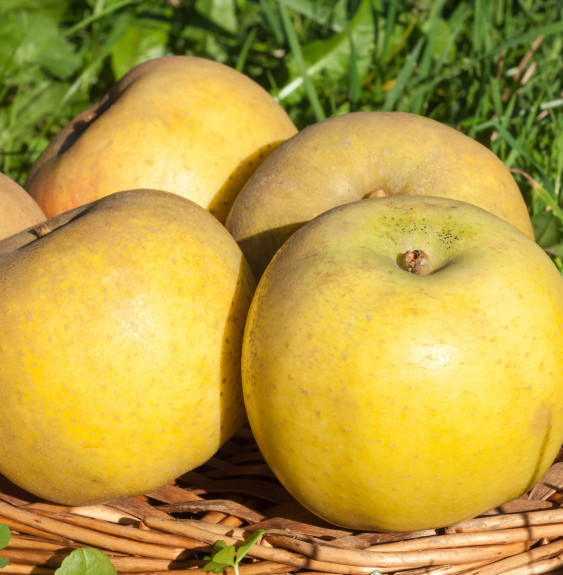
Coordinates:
(489, 68)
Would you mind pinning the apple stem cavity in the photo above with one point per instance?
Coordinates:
(415, 262)
(377, 193)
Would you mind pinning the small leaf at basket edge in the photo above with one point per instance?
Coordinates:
(221, 557)
(249, 542)
(86, 561)
(5, 535)
(214, 567)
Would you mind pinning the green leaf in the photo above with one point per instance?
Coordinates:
(226, 555)
(43, 45)
(214, 567)
(31, 40)
(55, 8)
(5, 535)
(556, 250)
(249, 542)
(330, 58)
(222, 13)
(439, 33)
(223, 556)
(547, 229)
(86, 561)
(30, 106)
(323, 13)
(142, 39)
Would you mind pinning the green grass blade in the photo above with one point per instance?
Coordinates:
(295, 48)
(355, 86)
(403, 78)
(271, 17)
(98, 15)
(243, 54)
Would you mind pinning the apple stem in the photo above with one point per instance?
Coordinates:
(415, 262)
(377, 193)
(42, 229)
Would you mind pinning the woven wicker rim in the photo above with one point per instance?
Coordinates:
(170, 530)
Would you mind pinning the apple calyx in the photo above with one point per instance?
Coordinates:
(377, 193)
(415, 262)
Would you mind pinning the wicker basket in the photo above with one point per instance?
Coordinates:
(234, 493)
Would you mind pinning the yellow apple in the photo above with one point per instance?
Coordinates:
(349, 157)
(187, 125)
(18, 210)
(389, 400)
(121, 328)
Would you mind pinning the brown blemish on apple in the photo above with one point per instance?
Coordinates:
(377, 193)
(415, 262)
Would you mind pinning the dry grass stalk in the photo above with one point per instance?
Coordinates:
(258, 551)
(87, 536)
(128, 531)
(494, 522)
(261, 568)
(95, 511)
(140, 564)
(444, 569)
(17, 569)
(523, 506)
(218, 528)
(523, 560)
(231, 521)
(18, 527)
(554, 566)
(221, 505)
(265, 489)
(336, 556)
(291, 526)
(136, 507)
(34, 557)
(453, 540)
(551, 482)
(172, 493)
(401, 560)
(22, 542)
(264, 567)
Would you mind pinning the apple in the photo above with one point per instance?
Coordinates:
(349, 157)
(183, 124)
(402, 365)
(18, 210)
(121, 327)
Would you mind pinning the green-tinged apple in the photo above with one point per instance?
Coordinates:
(362, 154)
(402, 365)
(18, 210)
(183, 124)
(121, 327)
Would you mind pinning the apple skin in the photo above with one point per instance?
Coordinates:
(120, 338)
(344, 158)
(183, 124)
(18, 210)
(386, 400)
